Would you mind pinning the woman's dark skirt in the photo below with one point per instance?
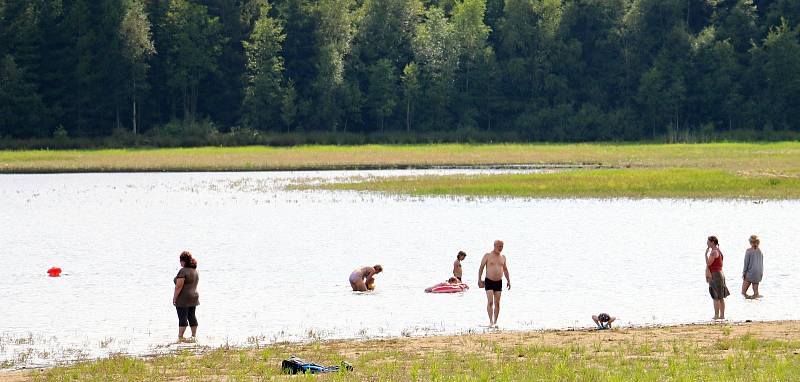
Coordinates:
(717, 287)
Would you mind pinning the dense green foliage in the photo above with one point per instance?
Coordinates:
(557, 70)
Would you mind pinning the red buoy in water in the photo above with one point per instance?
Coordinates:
(54, 272)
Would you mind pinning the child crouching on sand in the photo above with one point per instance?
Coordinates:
(603, 321)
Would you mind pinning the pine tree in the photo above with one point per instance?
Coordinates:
(382, 88)
(334, 35)
(411, 90)
(436, 53)
(194, 45)
(779, 63)
(468, 25)
(137, 47)
(297, 18)
(264, 92)
(21, 108)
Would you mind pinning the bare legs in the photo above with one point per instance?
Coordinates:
(490, 306)
(719, 309)
(746, 285)
(496, 306)
(493, 306)
(181, 331)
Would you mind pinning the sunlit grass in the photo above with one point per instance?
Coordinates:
(773, 158)
(600, 183)
(728, 170)
(740, 358)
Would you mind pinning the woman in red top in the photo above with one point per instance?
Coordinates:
(715, 277)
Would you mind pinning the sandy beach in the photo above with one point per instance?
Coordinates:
(651, 344)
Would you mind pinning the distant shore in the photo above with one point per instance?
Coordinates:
(722, 351)
(720, 170)
(778, 159)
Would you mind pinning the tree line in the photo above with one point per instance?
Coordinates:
(554, 70)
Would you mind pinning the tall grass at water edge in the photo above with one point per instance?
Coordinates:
(602, 183)
(781, 158)
(743, 358)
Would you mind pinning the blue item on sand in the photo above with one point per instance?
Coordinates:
(294, 365)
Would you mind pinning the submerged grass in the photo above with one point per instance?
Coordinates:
(627, 355)
(773, 158)
(600, 183)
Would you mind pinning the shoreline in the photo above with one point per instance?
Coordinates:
(695, 171)
(661, 343)
(481, 330)
(344, 167)
(779, 158)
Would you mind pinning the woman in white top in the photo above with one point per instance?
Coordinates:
(753, 268)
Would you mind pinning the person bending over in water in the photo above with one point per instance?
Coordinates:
(457, 264)
(364, 276)
(495, 265)
(753, 268)
(603, 321)
(185, 297)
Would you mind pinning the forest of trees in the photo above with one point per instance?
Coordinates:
(544, 70)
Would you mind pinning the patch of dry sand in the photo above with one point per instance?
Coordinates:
(700, 334)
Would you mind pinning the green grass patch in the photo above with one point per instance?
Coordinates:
(720, 170)
(759, 158)
(740, 359)
(597, 183)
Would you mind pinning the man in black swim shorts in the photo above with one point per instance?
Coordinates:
(496, 268)
(496, 286)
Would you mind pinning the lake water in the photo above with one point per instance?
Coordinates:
(274, 264)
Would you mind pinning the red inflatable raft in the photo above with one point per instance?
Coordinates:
(447, 288)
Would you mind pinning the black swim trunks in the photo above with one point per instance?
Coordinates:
(603, 317)
(496, 286)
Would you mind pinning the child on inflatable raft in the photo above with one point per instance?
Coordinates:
(452, 285)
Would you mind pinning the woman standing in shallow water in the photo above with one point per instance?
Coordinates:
(715, 277)
(185, 297)
(753, 267)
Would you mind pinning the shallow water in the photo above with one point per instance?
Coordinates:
(274, 264)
